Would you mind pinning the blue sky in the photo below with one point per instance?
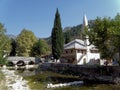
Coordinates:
(38, 15)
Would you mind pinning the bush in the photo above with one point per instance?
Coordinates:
(3, 61)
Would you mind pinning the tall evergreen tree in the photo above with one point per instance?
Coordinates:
(14, 46)
(57, 37)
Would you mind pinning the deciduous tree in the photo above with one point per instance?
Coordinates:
(40, 48)
(115, 34)
(25, 42)
(4, 44)
(100, 37)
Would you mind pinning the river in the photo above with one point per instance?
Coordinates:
(40, 79)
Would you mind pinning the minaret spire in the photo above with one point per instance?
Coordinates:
(86, 41)
(85, 21)
(85, 26)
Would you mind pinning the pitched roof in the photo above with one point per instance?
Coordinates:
(78, 44)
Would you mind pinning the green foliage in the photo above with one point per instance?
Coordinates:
(3, 86)
(2, 29)
(40, 48)
(7, 45)
(4, 40)
(25, 42)
(14, 46)
(115, 33)
(105, 34)
(67, 37)
(74, 32)
(4, 44)
(57, 37)
(100, 37)
(3, 61)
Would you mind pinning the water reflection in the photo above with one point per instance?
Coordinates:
(24, 71)
(48, 77)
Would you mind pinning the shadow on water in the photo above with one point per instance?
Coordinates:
(38, 80)
(25, 72)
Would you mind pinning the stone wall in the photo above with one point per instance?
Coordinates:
(108, 74)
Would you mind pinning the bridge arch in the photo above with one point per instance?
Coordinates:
(20, 63)
(10, 63)
(31, 63)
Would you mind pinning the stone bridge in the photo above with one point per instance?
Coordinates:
(21, 61)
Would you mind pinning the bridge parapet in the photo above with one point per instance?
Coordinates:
(26, 60)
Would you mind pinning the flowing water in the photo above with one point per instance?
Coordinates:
(13, 81)
(50, 77)
(39, 80)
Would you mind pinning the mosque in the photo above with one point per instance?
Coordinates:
(80, 51)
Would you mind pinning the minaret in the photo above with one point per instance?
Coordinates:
(86, 38)
(85, 25)
(85, 21)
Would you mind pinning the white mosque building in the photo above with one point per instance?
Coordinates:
(80, 51)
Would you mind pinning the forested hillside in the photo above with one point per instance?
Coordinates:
(73, 31)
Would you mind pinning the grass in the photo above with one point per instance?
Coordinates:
(2, 82)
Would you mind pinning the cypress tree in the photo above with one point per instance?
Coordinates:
(14, 46)
(57, 37)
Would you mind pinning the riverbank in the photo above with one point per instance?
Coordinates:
(41, 80)
(20, 67)
(87, 73)
(3, 86)
(37, 79)
(13, 81)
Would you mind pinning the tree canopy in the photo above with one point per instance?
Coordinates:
(25, 41)
(57, 37)
(40, 48)
(105, 35)
(4, 44)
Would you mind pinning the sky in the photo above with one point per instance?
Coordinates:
(38, 15)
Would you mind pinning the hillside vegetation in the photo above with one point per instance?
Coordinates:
(74, 31)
